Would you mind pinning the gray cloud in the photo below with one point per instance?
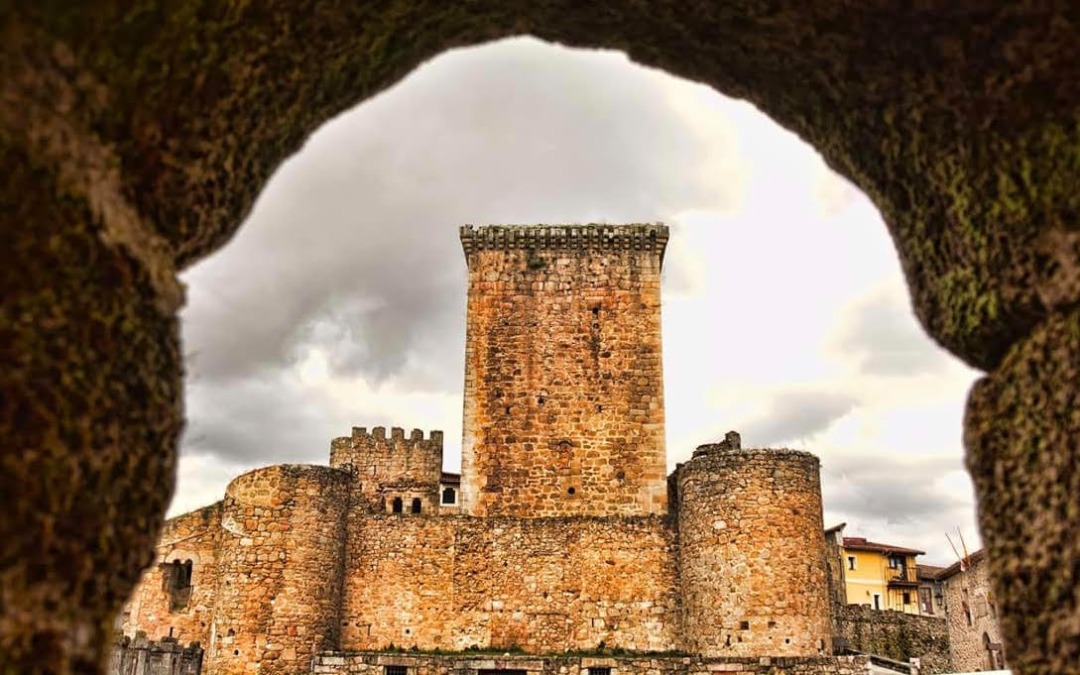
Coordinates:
(891, 489)
(881, 334)
(796, 415)
(353, 246)
(260, 420)
(898, 499)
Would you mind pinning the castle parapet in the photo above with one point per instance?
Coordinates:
(392, 469)
(646, 237)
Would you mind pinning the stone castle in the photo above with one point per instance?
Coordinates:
(563, 534)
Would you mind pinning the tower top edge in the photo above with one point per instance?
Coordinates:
(636, 236)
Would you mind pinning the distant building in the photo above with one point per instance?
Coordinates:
(931, 590)
(972, 613)
(881, 576)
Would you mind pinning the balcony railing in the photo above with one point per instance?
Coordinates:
(901, 575)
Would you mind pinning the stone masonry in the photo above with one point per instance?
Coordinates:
(759, 512)
(564, 395)
(140, 656)
(469, 664)
(898, 636)
(568, 540)
(972, 612)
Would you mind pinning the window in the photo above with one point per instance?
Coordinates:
(926, 604)
(599, 670)
(449, 496)
(395, 670)
(176, 581)
(907, 598)
(397, 505)
(877, 600)
(851, 562)
(416, 505)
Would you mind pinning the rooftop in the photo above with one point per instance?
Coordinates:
(861, 544)
(959, 565)
(929, 571)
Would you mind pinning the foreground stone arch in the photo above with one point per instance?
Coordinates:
(135, 137)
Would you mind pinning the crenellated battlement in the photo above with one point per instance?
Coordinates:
(397, 435)
(368, 444)
(383, 463)
(643, 237)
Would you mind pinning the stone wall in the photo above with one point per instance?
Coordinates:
(564, 411)
(389, 469)
(657, 664)
(161, 606)
(542, 585)
(751, 553)
(141, 656)
(278, 597)
(835, 578)
(972, 615)
(897, 636)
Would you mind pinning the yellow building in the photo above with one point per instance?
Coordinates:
(881, 576)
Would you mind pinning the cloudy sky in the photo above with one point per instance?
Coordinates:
(341, 301)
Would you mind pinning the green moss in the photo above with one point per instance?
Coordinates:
(968, 305)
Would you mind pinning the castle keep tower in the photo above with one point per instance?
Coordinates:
(564, 401)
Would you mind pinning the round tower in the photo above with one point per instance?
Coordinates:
(752, 552)
(280, 573)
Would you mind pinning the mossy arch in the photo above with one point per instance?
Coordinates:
(136, 136)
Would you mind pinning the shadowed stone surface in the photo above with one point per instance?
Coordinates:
(1021, 431)
(89, 416)
(137, 135)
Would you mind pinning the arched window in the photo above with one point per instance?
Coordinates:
(416, 505)
(449, 496)
(398, 507)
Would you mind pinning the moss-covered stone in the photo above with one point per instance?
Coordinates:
(89, 416)
(136, 136)
(1021, 431)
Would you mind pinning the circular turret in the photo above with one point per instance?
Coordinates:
(752, 552)
(281, 563)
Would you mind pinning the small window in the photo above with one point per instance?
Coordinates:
(176, 580)
(449, 496)
(907, 598)
(877, 600)
(395, 670)
(851, 562)
(398, 505)
(599, 670)
(416, 505)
